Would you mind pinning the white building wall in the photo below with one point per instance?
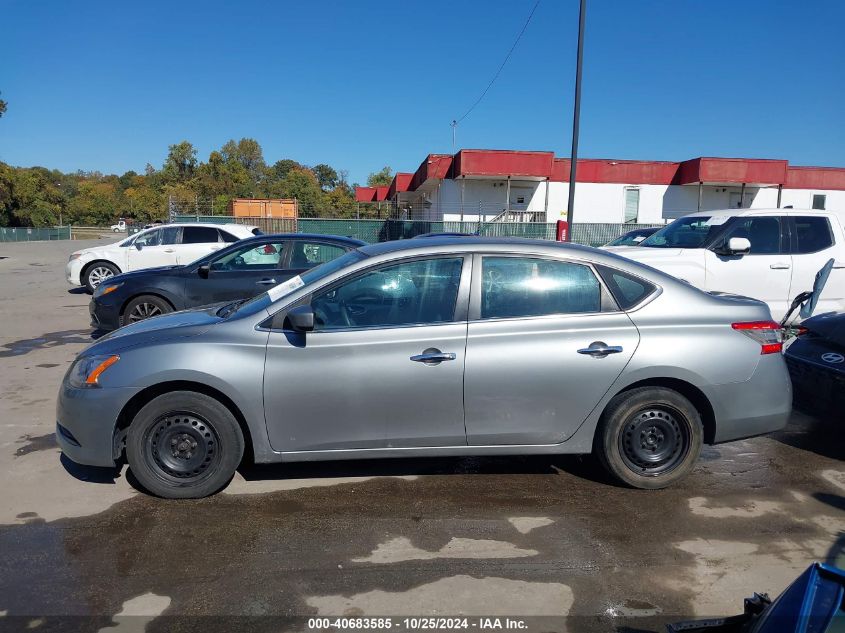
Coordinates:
(605, 202)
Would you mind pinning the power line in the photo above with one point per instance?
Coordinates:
(498, 72)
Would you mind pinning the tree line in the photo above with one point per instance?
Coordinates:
(37, 196)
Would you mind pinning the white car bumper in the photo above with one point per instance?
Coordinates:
(72, 272)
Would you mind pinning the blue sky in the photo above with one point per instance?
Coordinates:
(361, 84)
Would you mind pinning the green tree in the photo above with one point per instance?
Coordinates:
(326, 176)
(248, 153)
(281, 168)
(302, 184)
(2, 107)
(381, 178)
(181, 162)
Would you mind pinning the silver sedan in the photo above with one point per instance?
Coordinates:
(443, 346)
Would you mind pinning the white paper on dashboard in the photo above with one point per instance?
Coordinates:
(285, 288)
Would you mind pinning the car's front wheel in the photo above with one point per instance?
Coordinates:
(184, 445)
(649, 437)
(97, 273)
(144, 307)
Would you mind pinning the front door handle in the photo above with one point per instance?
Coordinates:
(168, 250)
(779, 266)
(433, 356)
(266, 282)
(599, 349)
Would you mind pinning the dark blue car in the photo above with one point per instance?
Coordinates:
(816, 361)
(240, 271)
(813, 603)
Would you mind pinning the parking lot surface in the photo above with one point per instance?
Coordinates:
(539, 536)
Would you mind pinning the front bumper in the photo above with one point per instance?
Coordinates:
(757, 406)
(817, 385)
(86, 420)
(73, 272)
(104, 316)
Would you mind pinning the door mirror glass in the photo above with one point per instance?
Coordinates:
(301, 318)
(739, 246)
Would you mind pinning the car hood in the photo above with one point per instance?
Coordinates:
(644, 253)
(158, 271)
(166, 327)
(96, 251)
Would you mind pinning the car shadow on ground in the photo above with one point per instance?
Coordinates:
(580, 466)
(813, 431)
(91, 474)
(77, 291)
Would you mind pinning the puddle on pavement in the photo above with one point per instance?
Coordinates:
(45, 341)
(33, 443)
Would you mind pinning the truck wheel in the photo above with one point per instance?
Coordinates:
(649, 437)
(98, 272)
(184, 445)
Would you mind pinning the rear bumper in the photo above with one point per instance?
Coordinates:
(757, 406)
(86, 420)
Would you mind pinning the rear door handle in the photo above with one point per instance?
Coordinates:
(266, 282)
(598, 349)
(839, 264)
(779, 266)
(433, 357)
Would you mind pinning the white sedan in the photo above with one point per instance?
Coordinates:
(166, 245)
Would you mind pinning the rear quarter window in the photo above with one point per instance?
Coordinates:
(627, 290)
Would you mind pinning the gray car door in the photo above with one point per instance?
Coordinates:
(382, 368)
(533, 370)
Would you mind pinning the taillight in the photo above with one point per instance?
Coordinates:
(767, 333)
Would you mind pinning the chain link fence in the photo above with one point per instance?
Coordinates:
(15, 234)
(591, 234)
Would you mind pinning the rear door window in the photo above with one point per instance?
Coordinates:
(527, 287)
(310, 254)
(199, 235)
(812, 234)
(627, 290)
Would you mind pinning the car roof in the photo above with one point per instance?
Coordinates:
(475, 243)
(351, 241)
(746, 212)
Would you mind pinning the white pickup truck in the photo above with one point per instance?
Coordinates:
(768, 254)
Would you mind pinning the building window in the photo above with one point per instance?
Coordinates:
(632, 204)
(819, 200)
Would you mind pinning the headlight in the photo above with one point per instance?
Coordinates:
(74, 256)
(104, 289)
(86, 371)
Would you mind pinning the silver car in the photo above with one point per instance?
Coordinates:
(443, 346)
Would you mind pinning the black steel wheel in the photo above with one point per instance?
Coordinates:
(649, 437)
(184, 445)
(652, 441)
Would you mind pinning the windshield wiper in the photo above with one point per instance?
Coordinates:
(230, 308)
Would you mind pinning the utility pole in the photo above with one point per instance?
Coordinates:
(573, 168)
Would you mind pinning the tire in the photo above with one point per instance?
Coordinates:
(184, 445)
(144, 307)
(649, 437)
(96, 273)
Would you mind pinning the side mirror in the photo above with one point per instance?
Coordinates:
(735, 246)
(301, 318)
(203, 271)
(139, 245)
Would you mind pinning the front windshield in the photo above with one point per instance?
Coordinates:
(310, 276)
(688, 232)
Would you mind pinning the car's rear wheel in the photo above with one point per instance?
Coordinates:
(184, 445)
(144, 307)
(649, 437)
(97, 273)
